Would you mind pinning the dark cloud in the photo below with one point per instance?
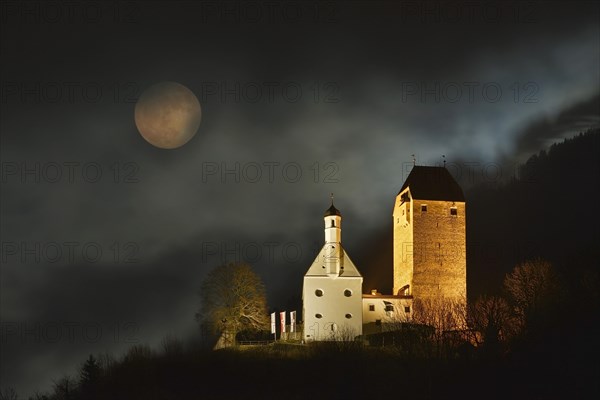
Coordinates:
(553, 128)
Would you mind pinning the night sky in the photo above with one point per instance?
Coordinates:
(105, 238)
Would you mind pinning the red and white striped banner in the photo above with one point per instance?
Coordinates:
(282, 320)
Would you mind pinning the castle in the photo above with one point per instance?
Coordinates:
(429, 262)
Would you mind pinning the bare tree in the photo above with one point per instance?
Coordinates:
(341, 341)
(107, 362)
(8, 393)
(344, 333)
(444, 314)
(534, 288)
(493, 321)
(64, 388)
(37, 395)
(447, 319)
(233, 298)
(138, 353)
(172, 345)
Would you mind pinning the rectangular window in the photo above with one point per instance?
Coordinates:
(389, 307)
(423, 207)
(377, 322)
(453, 211)
(371, 307)
(407, 309)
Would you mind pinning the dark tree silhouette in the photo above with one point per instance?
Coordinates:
(37, 395)
(64, 388)
(89, 376)
(492, 317)
(534, 289)
(8, 393)
(172, 346)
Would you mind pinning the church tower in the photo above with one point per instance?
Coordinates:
(430, 236)
(332, 290)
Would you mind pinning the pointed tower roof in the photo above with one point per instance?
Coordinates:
(332, 210)
(432, 183)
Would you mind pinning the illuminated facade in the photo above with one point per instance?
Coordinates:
(382, 312)
(430, 236)
(332, 290)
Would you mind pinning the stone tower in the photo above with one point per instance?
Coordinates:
(332, 290)
(430, 236)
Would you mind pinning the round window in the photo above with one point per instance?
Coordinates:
(347, 292)
(348, 316)
(318, 292)
(318, 316)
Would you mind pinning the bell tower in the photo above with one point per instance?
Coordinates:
(333, 240)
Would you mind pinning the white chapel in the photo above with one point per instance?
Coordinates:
(332, 290)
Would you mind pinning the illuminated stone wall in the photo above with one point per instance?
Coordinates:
(430, 248)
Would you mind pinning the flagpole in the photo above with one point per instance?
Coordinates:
(273, 329)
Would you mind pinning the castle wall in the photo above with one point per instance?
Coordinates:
(439, 250)
(384, 312)
(429, 248)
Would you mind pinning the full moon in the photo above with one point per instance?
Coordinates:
(167, 115)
